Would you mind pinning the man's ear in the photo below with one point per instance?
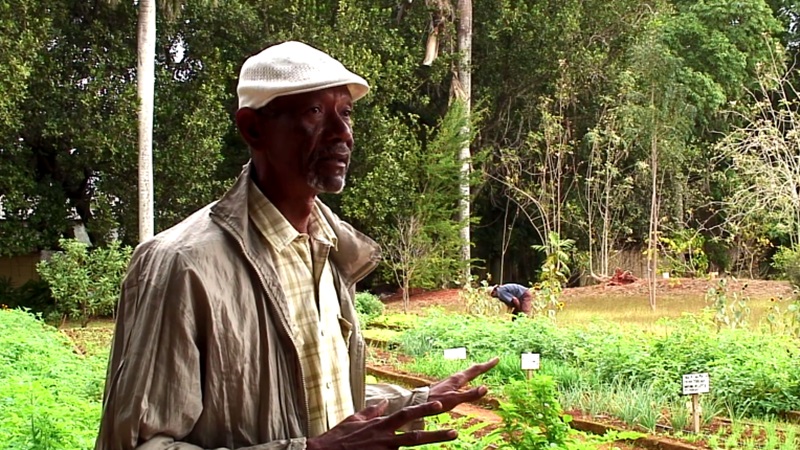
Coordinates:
(247, 121)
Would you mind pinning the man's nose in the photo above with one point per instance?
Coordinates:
(338, 128)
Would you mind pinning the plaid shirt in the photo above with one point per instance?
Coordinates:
(301, 262)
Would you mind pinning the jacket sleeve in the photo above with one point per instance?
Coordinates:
(153, 396)
(398, 398)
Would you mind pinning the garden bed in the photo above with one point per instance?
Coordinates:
(718, 433)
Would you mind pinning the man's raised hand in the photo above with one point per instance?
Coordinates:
(367, 430)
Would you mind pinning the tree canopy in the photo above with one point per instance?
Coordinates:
(573, 97)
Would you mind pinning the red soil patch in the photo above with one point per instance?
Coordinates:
(449, 299)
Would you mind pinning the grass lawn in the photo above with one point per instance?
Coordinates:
(635, 312)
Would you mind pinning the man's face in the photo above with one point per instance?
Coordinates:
(308, 139)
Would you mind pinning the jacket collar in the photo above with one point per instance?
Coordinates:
(355, 257)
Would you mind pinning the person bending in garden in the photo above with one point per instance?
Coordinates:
(515, 296)
(236, 328)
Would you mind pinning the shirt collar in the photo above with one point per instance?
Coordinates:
(277, 230)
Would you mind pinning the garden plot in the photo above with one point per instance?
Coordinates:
(628, 379)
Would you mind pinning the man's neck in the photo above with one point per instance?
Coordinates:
(295, 206)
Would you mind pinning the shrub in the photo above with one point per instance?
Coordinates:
(85, 284)
(368, 307)
(532, 418)
(787, 262)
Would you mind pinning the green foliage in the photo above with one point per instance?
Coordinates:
(729, 308)
(561, 85)
(85, 284)
(784, 320)
(684, 253)
(477, 300)
(635, 406)
(554, 275)
(532, 417)
(787, 261)
(468, 435)
(743, 375)
(395, 321)
(421, 240)
(51, 396)
(368, 307)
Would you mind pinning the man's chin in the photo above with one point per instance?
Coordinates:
(328, 185)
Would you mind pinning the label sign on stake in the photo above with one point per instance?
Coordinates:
(696, 383)
(530, 361)
(455, 353)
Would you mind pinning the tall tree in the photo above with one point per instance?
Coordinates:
(463, 90)
(145, 83)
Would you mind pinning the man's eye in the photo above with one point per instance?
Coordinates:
(347, 112)
(315, 110)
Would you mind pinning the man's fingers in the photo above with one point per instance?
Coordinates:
(450, 401)
(370, 412)
(475, 370)
(415, 438)
(411, 413)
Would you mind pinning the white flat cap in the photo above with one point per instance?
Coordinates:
(292, 68)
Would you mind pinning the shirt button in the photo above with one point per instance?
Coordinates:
(322, 333)
(328, 385)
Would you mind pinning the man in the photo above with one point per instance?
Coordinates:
(236, 328)
(515, 296)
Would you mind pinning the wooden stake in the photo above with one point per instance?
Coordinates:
(529, 374)
(696, 413)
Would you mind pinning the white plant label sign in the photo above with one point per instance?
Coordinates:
(696, 383)
(530, 361)
(455, 353)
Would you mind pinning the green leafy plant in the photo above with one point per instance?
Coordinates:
(684, 252)
(51, 396)
(85, 284)
(368, 307)
(532, 417)
(784, 320)
(787, 261)
(638, 406)
(729, 309)
(470, 435)
(554, 275)
(678, 416)
(476, 298)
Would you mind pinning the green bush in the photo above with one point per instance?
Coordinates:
(85, 284)
(787, 262)
(532, 417)
(50, 397)
(368, 307)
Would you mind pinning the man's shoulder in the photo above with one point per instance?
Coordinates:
(197, 235)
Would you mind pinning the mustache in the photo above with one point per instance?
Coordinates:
(336, 151)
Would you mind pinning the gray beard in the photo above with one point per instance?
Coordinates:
(316, 182)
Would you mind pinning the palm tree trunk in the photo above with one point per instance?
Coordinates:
(465, 79)
(145, 76)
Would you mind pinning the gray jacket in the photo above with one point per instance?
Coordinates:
(202, 356)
